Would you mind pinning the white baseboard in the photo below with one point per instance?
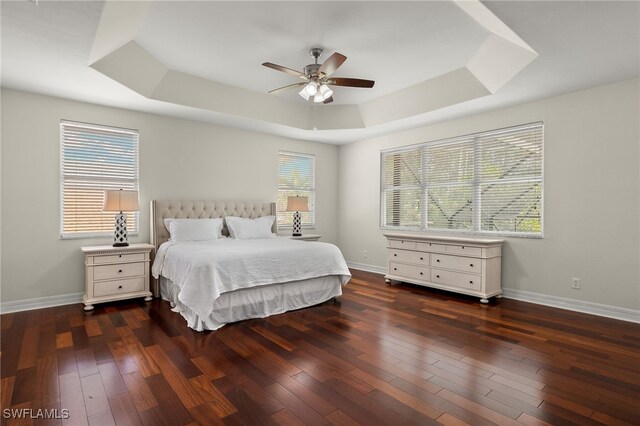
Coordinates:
(608, 311)
(367, 268)
(40, 302)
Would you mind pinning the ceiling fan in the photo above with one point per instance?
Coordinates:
(317, 77)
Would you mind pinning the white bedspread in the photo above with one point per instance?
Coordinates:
(204, 271)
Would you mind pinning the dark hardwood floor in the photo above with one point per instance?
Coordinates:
(381, 355)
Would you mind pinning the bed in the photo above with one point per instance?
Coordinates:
(216, 282)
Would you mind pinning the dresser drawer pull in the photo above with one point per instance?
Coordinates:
(119, 270)
(470, 282)
(437, 276)
(119, 286)
(471, 264)
(420, 273)
(437, 260)
(421, 259)
(395, 269)
(462, 247)
(119, 255)
(395, 254)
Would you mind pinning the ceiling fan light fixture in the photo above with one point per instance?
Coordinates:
(304, 94)
(325, 92)
(311, 88)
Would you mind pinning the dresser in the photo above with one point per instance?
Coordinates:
(460, 264)
(116, 273)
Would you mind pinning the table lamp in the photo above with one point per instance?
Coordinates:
(297, 204)
(120, 200)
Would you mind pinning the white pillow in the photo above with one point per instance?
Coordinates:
(246, 229)
(185, 230)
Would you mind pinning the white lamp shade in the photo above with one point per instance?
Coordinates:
(304, 94)
(120, 200)
(325, 92)
(297, 204)
(311, 88)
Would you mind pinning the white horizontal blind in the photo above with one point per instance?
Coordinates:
(296, 176)
(489, 183)
(93, 159)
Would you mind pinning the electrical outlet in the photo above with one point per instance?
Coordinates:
(364, 254)
(575, 283)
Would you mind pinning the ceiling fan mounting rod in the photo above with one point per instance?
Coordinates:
(315, 52)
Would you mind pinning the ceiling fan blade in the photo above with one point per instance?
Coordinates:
(350, 82)
(283, 88)
(328, 100)
(332, 63)
(284, 69)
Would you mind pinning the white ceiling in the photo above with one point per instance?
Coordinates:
(46, 49)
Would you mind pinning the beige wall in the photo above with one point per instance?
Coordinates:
(592, 188)
(178, 159)
(591, 195)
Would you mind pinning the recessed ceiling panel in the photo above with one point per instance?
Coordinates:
(397, 44)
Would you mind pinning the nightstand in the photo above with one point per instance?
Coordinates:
(307, 237)
(116, 273)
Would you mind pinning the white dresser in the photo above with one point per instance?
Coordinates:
(461, 264)
(116, 273)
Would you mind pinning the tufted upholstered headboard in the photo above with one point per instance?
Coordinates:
(202, 209)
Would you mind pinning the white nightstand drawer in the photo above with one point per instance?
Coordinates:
(122, 270)
(402, 244)
(409, 256)
(465, 250)
(462, 264)
(410, 271)
(456, 279)
(119, 258)
(111, 288)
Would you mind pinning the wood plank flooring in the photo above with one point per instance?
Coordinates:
(382, 354)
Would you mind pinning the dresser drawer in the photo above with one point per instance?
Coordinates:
(464, 250)
(459, 263)
(123, 270)
(409, 256)
(431, 247)
(112, 288)
(402, 244)
(119, 258)
(409, 271)
(456, 279)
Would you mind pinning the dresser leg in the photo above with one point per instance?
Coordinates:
(498, 296)
(483, 300)
(88, 307)
(387, 280)
(148, 298)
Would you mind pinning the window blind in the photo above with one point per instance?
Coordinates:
(93, 159)
(488, 183)
(296, 176)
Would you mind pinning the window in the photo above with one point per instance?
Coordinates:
(485, 183)
(296, 176)
(95, 158)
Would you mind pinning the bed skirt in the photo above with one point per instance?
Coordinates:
(256, 302)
